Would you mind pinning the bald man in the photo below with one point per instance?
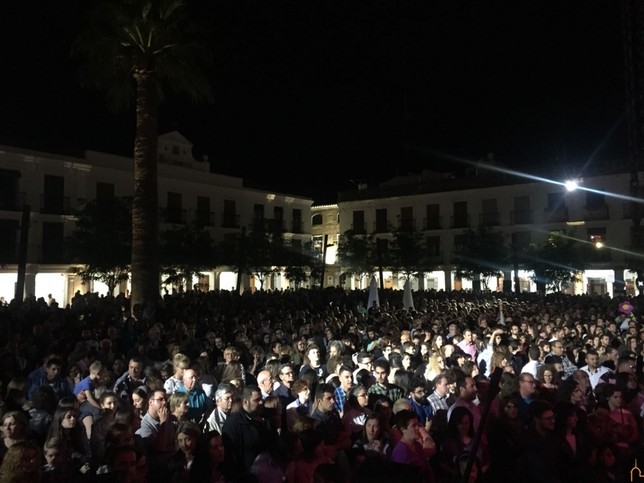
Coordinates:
(265, 383)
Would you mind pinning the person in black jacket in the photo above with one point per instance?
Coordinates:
(246, 434)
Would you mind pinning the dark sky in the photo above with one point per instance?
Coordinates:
(361, 89)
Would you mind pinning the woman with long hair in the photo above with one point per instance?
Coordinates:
(573, 447)
(374, 438)
(140, 401)
(179, 406)
(435, 365)
(548, 382)
(65, 425)
(459, 439)
(22, 464)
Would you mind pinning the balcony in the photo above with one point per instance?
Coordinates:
(230, 220)
(556, 215)
(489, 219)
(359, 228)
(521, 217)
(55, 205)
(12, 201)
(432, 223)
(205, 218)
(406, 224)
(460, 221)
(173, 215)
(298, 226)
(381, 227)
(596, 213)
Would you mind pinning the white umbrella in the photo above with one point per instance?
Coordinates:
(373, 294)
(408, 300)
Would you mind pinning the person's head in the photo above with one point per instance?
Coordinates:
(55, 451)
(265, 381)
(381, 370)
(22, 461)
(613, 395)
(401, 404)
(592, 359)
(178, 403)
(441, 385)
(189, 379)
(119, 434)
(188, 434)
(569, 391)
(461, 422)
(547, 374)
(65, 416)
(301, 390)
(215, 446)
(224, 397)
(252, 401)
(14, 425)
(542, 415)
(135, 368)
(312, 355)
(346, 377)
(417, 390)
(324, 398)
(466, 388)
(123, 459)
(566, 416)
(231, 353)
(158, 400)
(140, 399)
(96, 370)
(180, 362)
(508, 407)
(286, 374)
(407, 422)
(364, 361)
(527, 385)
(53, 368)
(108, 401)
(374, 428)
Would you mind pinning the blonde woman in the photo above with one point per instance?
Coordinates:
(435, 365)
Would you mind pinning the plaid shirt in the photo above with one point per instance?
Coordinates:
(392, 391)
(437, 402)
(340, 397)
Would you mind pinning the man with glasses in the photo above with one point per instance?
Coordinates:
(363, 361)
(157, 434)
(539, 461)
(524, 397)
(558, 350)
(287, 378)
(419, 403)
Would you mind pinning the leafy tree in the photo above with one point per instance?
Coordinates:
(101, 242)
(300, 262)
(558, 260)
(482, 253)
(407, 252)
(135, 50)
(186, 251)
(357, 253)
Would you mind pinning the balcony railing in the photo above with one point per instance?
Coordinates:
(173, 215)
(55, 205)
(521, 217)
(205, 218)
(359, 228)
(594, 213)
(381, 227)
(460, 221)
(556, 215)
(12, 201)
(298, 226)
(406, 224)
(489, 219)
(229, 220)
(432, 223)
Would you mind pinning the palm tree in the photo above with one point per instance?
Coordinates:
(133, 49)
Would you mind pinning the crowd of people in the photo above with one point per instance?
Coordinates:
(306, 385)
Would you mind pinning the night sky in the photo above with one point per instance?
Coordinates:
(361, 89)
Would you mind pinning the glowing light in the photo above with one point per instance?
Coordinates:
(571, 185)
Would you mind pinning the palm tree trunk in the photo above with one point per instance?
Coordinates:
(145, 204)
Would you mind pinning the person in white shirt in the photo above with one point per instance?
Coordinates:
(593, 369)
(533, 361)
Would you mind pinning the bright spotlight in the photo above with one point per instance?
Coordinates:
(571, 185)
